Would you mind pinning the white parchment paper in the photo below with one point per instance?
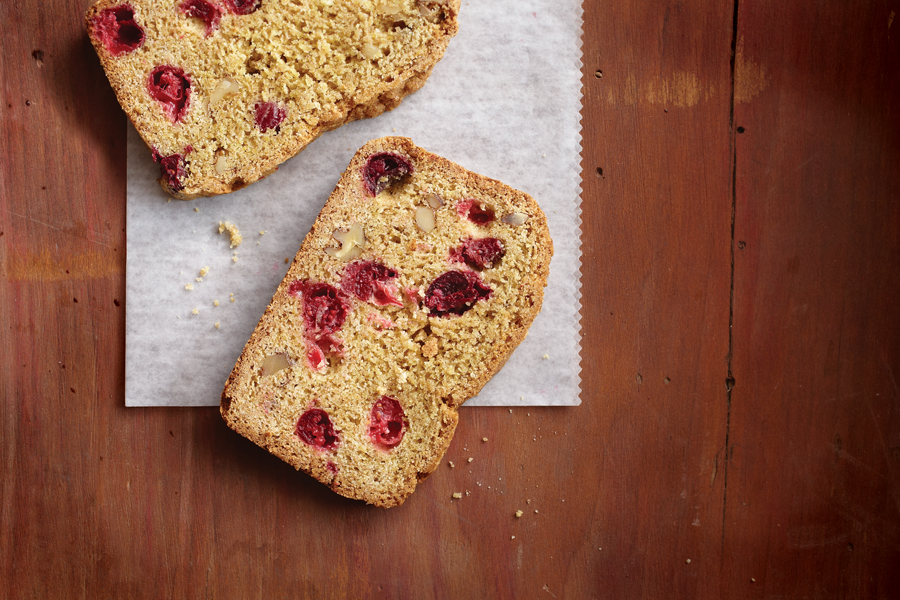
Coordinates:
(503, 102)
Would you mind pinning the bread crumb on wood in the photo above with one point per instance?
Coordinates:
(457, 495)
(233, 232)
(451, 464)
(519, 514)
(471, 459)
(484, 439)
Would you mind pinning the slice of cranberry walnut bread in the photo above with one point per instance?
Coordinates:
(415, 284)
(223, 91)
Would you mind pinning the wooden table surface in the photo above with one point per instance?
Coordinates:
(739, 432)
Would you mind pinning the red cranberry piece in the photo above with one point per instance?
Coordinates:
(207, 12)
(387, 423)
(118, 31)
(243, 7)
(371, 282)
(315, 428)
(474, 212)
(480, 253)
(269, 116)
(333, 468)
(171, 168)
(382, 169)
(324, 309)
(171, 87)
(455, 292)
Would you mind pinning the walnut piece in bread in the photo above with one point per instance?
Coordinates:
(357, 369)
(223, 91)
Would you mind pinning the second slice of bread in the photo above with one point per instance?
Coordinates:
(416, 283)
(223, 91)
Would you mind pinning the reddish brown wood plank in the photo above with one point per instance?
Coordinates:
(657, 267)
(102, 501)
(813, 497)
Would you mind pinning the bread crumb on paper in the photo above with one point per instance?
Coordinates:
(189, 287)
(234, 233)
(196, 311)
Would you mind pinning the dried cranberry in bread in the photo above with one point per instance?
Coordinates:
(223, 91)
(415, 284)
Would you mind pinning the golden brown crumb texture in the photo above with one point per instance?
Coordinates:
(223, 91)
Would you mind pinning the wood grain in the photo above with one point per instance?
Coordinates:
(813, 505)
(741, 219)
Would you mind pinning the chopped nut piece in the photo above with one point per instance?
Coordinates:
(371, 51)
(273, 364)
(353, 242)
(226, 87)
(221, 163)
(425, 219)
(434, 201)
(514, 219)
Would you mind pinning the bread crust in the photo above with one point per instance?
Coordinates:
(376, 91)
(441, 382)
